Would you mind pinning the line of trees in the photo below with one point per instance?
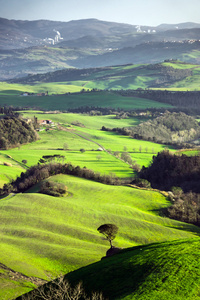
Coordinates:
(189, 99)
(37, 173)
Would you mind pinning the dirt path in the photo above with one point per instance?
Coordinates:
(82, 136)
(87, 139)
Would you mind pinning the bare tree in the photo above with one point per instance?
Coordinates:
(60, 289)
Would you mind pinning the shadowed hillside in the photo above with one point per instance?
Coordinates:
(157, 271)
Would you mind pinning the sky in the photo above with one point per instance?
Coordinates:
(140, 12)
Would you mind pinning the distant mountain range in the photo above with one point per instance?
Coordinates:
(31, 47)
(20, 34)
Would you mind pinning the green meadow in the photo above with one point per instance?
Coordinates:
(44, 236)
(65, 102)
(90, 137)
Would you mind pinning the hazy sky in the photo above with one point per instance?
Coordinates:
(140, 12)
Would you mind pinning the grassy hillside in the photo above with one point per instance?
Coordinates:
(173, 74)
(42, 235)
(157, 271)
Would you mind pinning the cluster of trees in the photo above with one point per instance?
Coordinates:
(189, 99)
(186, 208)
(168, 128)
(95, 111)
(12, 111)
(181, 175)
(169, 74)
(37, 173)
(14, 131)
(168, 170)
(125, 113)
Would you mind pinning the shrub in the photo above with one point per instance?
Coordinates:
(141, 183)
(53, 188)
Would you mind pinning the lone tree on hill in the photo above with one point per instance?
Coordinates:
(110, 232)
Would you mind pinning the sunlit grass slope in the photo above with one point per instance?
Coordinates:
(42, 235)
(163, 271)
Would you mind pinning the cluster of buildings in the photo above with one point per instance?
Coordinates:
(56, 39)
(33, 94)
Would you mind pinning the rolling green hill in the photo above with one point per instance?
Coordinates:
(161, 271)
(69, 89)
(170, 74)
(44, 236)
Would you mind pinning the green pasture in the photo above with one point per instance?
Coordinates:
(93, 99)
(45, 236)
(91, 122)
(100, 162)
(90, 138)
